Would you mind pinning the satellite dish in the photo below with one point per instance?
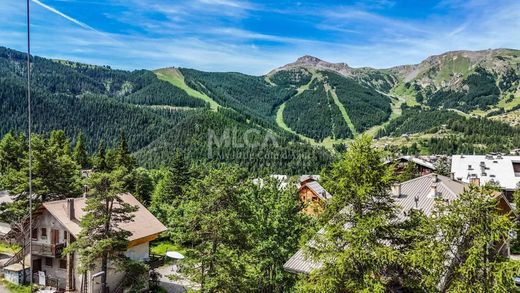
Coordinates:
(174, 255)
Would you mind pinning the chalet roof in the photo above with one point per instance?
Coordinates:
(307, 177)
(487, 168)
(317, 189)
(417, 161)
(144, 224)
(419, 188)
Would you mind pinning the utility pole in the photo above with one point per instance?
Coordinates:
(29, 130)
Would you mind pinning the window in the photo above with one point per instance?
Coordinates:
(48, 261)
(34, 234)
(44, 233)
(63, 263)
(65, 236)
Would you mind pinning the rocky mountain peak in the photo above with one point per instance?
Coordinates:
(308, 60)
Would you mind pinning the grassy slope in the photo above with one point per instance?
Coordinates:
(174, 77)
(342, 109)
(396, 112)
(279, 114)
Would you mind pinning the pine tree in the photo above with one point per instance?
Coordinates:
(468, 257)
(274, 219)
(171, 189)
(55, 174)
(123, 158)
(80, 154)
(59, 142)
(100, 160)
(100, 237)
(358, 221)
(213, 225)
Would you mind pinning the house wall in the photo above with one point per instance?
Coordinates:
(53, 273)
(313, 204)
(46, 220)
(15, 277)
(139, 252)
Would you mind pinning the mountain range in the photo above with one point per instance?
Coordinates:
(307, 108)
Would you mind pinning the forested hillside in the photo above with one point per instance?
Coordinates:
(314, 114)
(309, 101)
(100, 103)
(365, 106)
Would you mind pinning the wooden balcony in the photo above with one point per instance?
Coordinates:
(48, 250)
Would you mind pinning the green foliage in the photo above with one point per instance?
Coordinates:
(410, 172)
(161, 247)
(472, 230)
(475, 135)
(80, 154)
(294, 77)
(275, 224)
(163, 93)
(85, 98)
(123, 158)
(237, 234)
(171, 189)
(142, 184)
(365, 106)
(202, 144)
(356, 258)
(13, 288)
(314, 114)
(215, 232)
(100, 237)
(414, 120)
(137, 275)
(482, 92)
(55, 174)
(77, 98)
(100, 158)
(250, 95)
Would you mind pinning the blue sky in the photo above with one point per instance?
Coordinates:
(256, 36)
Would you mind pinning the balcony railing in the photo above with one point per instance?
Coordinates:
(52, 250)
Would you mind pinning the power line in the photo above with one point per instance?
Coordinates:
(29, 130)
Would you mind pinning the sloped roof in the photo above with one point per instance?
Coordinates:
(418, 161)
(317, 189)
(307, 177)
(419, 188)
(144, 224)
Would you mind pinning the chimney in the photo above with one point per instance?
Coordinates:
(475, 181)
(452, 175)
(435, 178)
(433, 191)
(396, 189)
(70, 208)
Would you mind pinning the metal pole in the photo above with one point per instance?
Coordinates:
(29, 130)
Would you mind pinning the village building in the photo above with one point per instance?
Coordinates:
(503, 171)
(57, 224)
(420, 193)
(313, 196)
(422, 165)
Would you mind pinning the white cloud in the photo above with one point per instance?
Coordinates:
(352, 35)
(56, 11)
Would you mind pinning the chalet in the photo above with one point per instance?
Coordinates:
(419, 193)
(501, 170)
(57, 224)
(312, 194)
(423, 166)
